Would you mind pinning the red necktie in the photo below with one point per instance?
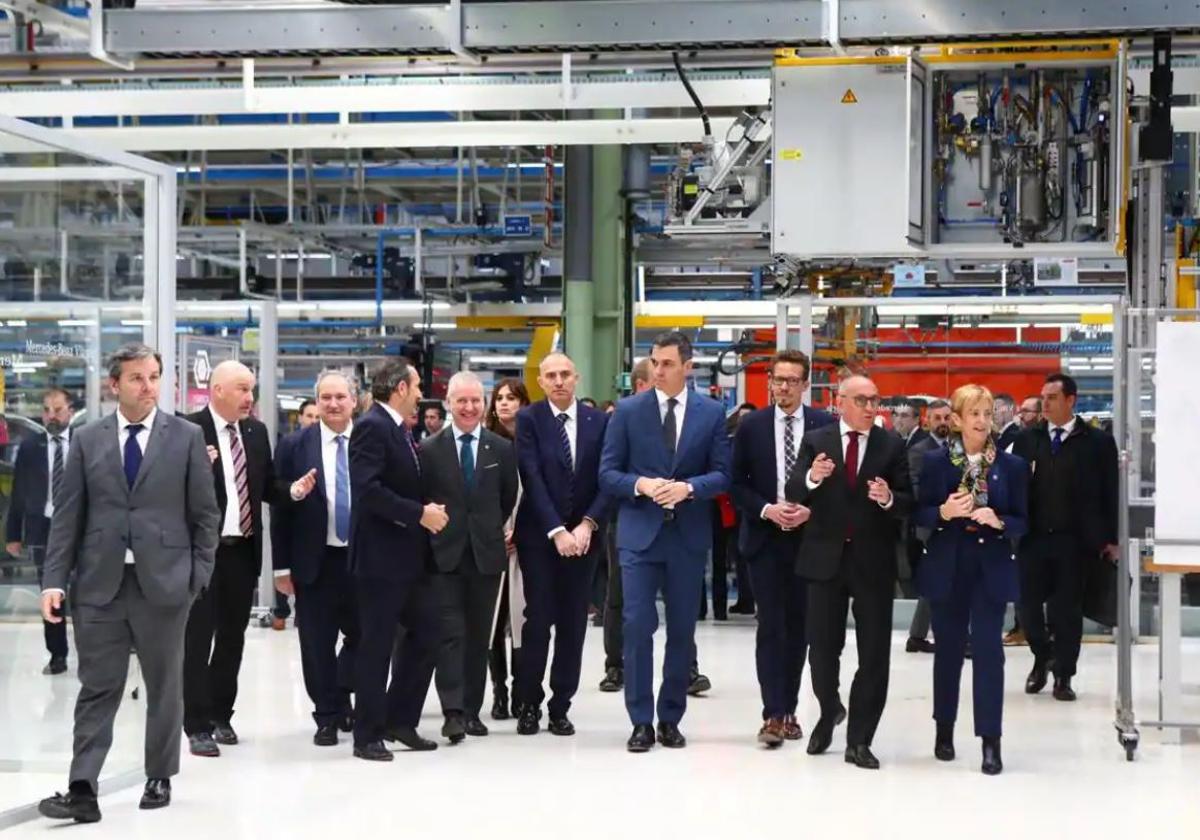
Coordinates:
(852, 460)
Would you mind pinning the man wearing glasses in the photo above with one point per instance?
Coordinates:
(765, 451)
(854, 478)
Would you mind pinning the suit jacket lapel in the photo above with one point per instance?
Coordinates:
(112, 451)
(316, 460)
(453, 464)
(688, 432)
(876, 440)
(154, 445)
(653, 421)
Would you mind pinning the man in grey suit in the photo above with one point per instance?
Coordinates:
(136, 524)
(473, 473)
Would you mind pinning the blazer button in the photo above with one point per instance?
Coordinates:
(981, 540)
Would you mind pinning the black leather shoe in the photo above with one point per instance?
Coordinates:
(699, 684)
(670, 736)
(943, 744)
(57, 665)
(203, 745)
(561, 726)
(861, 756)
(822, 734)
(81, 807)
(326, 736)
(614, 680)
(1063, 690)
(346, 722)
(223, 734)
(373, 751)
(528, 724)
(156, 795)
(500, 703)
(1036, 680)
(409, 737)
(642, 738)
(918, 646)
(742, 609)
(454, 729)
(475, 727)
(992, 765)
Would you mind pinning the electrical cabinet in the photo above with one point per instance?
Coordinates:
(996, 151)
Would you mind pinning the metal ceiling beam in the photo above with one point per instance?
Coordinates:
(596, 25)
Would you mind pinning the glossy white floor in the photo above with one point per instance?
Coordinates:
(1064, 770)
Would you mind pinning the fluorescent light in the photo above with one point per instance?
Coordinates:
(448, 325)
(28, 367)
(18, 323)
(76, 322)
(719, 326)
(705, 360)
(490, 361)
(133, 322)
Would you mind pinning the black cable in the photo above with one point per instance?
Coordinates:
(692, 93)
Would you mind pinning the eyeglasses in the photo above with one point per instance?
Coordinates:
(790, 381)
(862, 401)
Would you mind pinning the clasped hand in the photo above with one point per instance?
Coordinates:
(664, 492)
(788, 515)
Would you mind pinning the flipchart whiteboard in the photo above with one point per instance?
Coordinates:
(1177, 444)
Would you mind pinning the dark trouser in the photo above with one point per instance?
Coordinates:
(779, 646)
(614, 605)
(383, 606)
(724, 544)
(55, 634)
(598, 575)
(745, 587)
(969, 614)
(556, 595)
(466, 600)
(1051, 567)
(103, 638)
(498, 653)
(667, 565)
(828, 601)
(216, 636)
(282, 608)
(325, 610)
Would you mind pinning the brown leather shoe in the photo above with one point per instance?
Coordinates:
(1015, 638)
(791, 728)
(278, 623)
(771, 733)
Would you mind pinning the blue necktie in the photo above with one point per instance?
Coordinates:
(468, 459)
(341, 492)
(133, 453)
(1056, 441)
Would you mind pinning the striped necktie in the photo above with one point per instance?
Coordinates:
(56, 474)
(245, 519)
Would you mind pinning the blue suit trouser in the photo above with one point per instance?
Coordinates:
(969, 613)
(667, 565)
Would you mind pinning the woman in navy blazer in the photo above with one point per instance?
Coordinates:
(973, 498)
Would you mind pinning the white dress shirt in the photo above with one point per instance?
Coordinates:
(780, 459)
(143, 437)
(395, 414)
(329, 450)
(458, 436)
(863, 437)
(1067, 428)
(231, 521)
(50, 447)
(680, 409)
(571, 424)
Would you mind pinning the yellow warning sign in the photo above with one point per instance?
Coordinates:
(849, 98)
(791, 154)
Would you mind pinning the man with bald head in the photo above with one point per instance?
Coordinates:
(559, 440)
(472, 473)
(244, 478)
(853, 476)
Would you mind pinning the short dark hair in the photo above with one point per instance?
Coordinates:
(133, 352)
(792, 357)
(1069, 388)
(674, 339)
(1037, 399)
(936, 404)
(436, 406)
(905, 402)
(588, 401)
(1007, 399)
(304, 405)
(388, 376)
(51, 391)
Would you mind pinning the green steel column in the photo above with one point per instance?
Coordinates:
(579, 303)
(608, 266)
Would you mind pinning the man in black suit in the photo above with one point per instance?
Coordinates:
(37, 481)
(854, 478)
(472, 472)
(308, 542)
(1007, 425)
(906, 420)
(765, 449)
(1073, 510)
(558, 448)
(244, 479)
(388, 554)
(433, 418)
(938, 414)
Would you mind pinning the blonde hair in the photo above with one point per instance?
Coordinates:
(968, 395)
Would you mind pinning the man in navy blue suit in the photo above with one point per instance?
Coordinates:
(765, 450)
(666, 456)
(389, 550)
(558, 454)
(308, 542)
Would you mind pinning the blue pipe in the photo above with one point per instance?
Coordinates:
(756, 283)
(379, 279)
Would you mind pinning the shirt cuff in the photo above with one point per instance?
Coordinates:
(809, 483)
(891, 500)
(292, 493)
(59, 591)
(559, 530)
(283, 573)
(762, 514)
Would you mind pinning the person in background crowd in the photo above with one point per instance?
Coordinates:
(37, 484)
(558, 449)
(243, 476)
(472, 473)
(1030, 413)
(588, 401)
(1073, 508)
(433, 418)
(745, 604)
(765, 450)
(973, 499)
(508, 397)
(724, 519)
(938, 414)
(854, 478)
(906, 422)
(308, 552)
(1007, 424)
(308, 414)
(665, 456)
(608, 406)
